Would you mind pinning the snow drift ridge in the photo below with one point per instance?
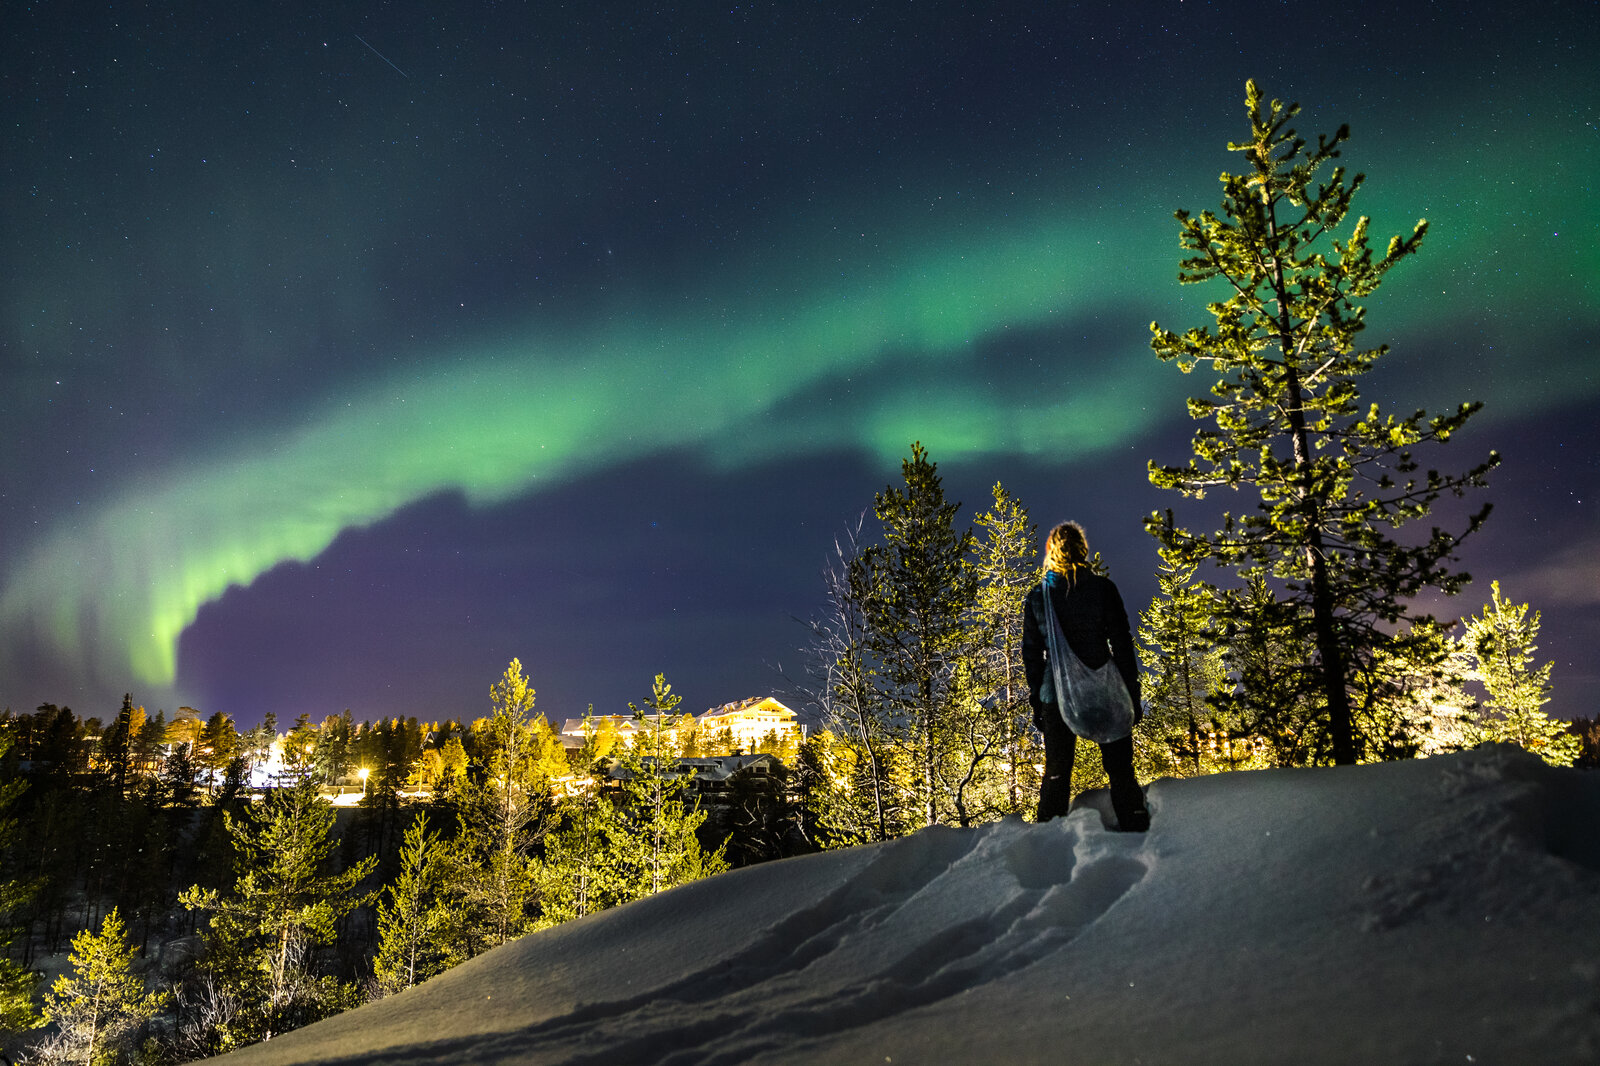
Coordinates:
(1418, 912)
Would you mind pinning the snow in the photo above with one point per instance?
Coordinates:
(1438, 911)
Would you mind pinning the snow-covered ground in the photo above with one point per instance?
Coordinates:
(1438, 911)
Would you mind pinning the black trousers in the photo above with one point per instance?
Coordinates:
(1055, 792)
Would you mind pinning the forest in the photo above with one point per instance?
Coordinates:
(262, 908)
(200, 911)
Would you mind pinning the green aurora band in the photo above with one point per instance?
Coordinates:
(114, 589)
(119, 588)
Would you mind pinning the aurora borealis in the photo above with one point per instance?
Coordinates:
(338, 373)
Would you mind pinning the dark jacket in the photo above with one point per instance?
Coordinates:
(1095, 624)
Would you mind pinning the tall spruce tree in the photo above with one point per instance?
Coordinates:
(920, 590)
(1329, 480)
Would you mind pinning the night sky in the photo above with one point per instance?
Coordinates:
(349, 350)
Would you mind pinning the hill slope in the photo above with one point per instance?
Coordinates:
(1445, 910)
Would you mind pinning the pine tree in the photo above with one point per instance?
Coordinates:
(282, 906)
(147, 745)
(652, 844)
(1274, 683)
(102, 1002)
(453, 766)
(177, 778)
(817, 784)
(147, 888)
(1006, 563)
(218, 746)
(335, 739)
(720, 742)
(388, 755)
(606, 735)
(58, 746)
(299, 749)
(503, 814)
(255, 745)
(1406, 693)
(917, 670)
(118, 742)
(1499, 651)
(920, 589)
(1329, 480)
(1183, 667)
(574, 874)
(414, 921)
(686, 736)
(509, 806)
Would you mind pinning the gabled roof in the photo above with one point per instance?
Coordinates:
(746, 704)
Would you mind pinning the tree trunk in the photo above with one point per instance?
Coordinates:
(1323, 622)
(1339, 723)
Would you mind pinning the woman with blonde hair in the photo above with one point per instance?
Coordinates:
(1088, 609)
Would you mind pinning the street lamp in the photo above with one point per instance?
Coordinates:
(363, 782)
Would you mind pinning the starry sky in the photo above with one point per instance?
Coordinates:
(348, 351)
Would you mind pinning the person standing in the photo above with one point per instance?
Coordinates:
(1089, 610)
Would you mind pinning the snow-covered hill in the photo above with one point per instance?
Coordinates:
(1445, 910)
